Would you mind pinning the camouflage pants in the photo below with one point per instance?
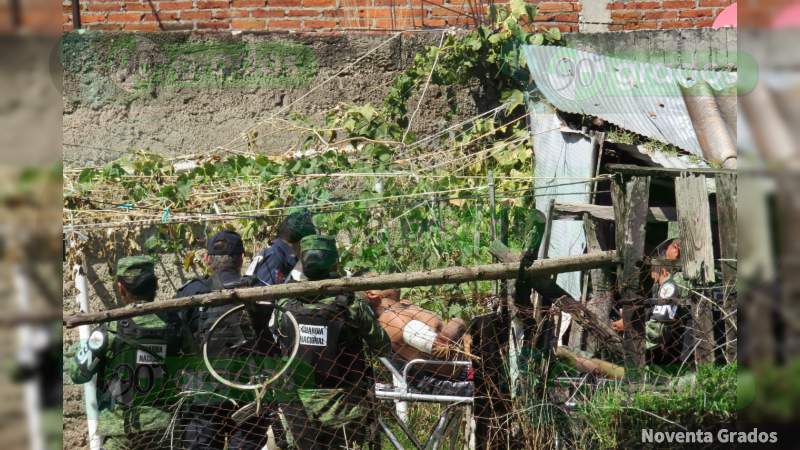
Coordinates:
(306, 433)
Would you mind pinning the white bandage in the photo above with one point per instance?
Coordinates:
(419, 335)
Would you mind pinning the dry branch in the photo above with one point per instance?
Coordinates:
(337, 286)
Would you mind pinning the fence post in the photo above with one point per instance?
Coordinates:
(90, 388)
(630, 212)
(25, 337)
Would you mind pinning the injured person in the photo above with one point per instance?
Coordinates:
(417, 333)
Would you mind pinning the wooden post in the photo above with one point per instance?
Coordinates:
(727, 228)
(788, 262)
(697, 256)
(493, 215)
(600, 302)
(630, 208)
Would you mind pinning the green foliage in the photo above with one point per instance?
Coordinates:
(615, 415)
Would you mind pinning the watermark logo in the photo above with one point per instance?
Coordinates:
(722, 436)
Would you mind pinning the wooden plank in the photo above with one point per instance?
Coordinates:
(632, 170)
(694, 225)
(603, 212)
(450, 275)
(634, 212)
(703, 325)
(727, 229)
(600, 302)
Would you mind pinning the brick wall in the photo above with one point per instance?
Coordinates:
(372, 15)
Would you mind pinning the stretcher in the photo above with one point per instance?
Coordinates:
(454, 426)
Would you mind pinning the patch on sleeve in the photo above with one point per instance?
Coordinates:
(316, 335)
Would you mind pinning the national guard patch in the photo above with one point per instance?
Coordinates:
(316, 335)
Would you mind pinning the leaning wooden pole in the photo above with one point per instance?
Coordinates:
(340, 285)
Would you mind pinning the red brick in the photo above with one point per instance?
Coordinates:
(195, 15)
(163, 16)
(434, 22)
(676, 4)
(248, 24)
(125, 17)
(213, 25)
(546, 7)
(618, 5)
(675, 24)
(319, 3)
(697, 13)
(213, 4)
(248, 3)
(704, 23)
(652, 15)
(174, 6)
(292, 24)
(317, 24)
(644, 5)
(371, 13)
(104, 26)
(716, 2)
(305, 12)
(283, 3)
(149, 26)
(102, 7)
(93, 18)
(625, 15)
(415, 12)
(338, 12)
(569, 17)
(133, 6)
(260, 13)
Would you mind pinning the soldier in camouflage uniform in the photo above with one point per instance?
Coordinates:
(331, 378)
(131, 359)
(274, 264)
(667, 334)
(207, 420)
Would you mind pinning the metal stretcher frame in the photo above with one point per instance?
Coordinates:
(446, 425)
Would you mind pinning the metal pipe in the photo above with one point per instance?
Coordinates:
(27, 354)
(384, 395)
(90, 388)
(709, 125)
(76, 14)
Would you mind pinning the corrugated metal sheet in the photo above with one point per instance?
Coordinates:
(643, 98)
(564, 160)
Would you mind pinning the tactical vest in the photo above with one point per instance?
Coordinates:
(329, 349)
(138, 372)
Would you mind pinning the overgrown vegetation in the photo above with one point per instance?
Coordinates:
(395, 202)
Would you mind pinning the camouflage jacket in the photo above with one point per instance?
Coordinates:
(359, 330)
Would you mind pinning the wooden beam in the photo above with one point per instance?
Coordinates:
(631, 170)
(727, 228)
(694, 227)
(697, 255)
(631, 205)
(449, 275)
(602, 212)
(599, 304)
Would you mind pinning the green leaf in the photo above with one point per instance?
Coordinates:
(530, 10)
(513, 98)
(553, 34)
(536, 39)
(517, 8)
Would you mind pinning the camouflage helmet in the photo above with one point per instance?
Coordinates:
(319, 256)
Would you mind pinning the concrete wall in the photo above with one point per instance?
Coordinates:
(181, 93)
